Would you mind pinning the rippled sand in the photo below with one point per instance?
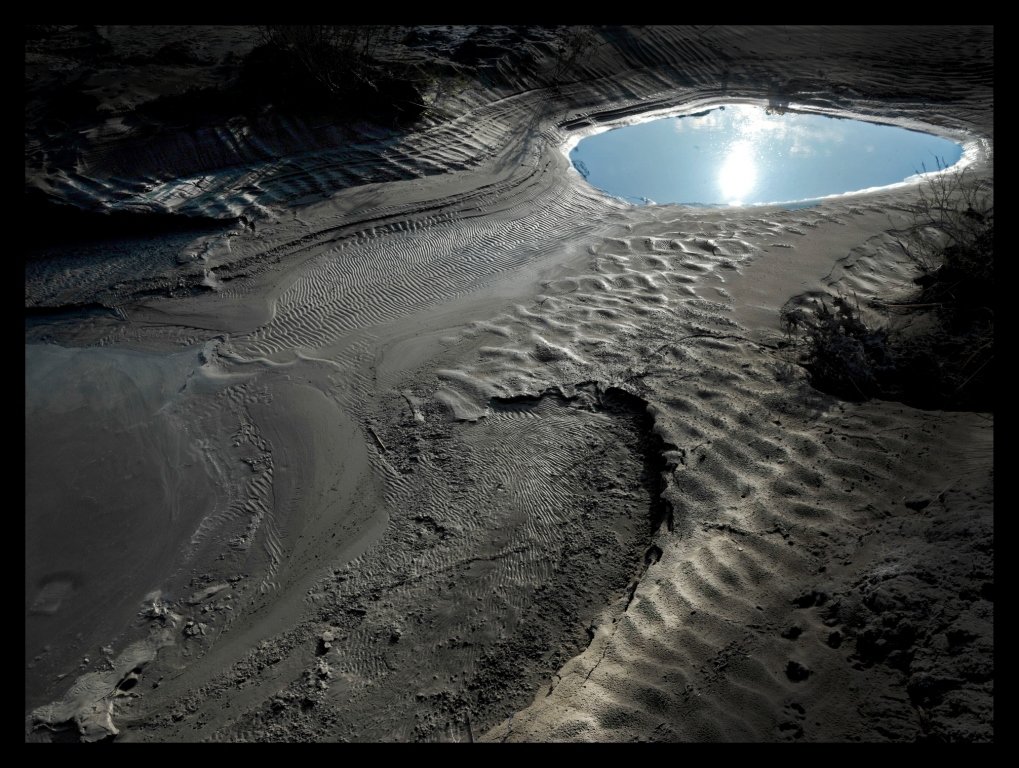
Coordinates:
(449, 446)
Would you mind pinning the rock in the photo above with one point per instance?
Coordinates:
(795, 730)
(810, 599)
(797, 672)
(325, 641)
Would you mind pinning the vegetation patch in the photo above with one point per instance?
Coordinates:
(943, 357)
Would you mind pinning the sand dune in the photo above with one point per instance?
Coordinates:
(496, 457)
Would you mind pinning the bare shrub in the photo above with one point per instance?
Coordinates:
(949, 364)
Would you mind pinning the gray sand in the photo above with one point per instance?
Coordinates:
(439, 443)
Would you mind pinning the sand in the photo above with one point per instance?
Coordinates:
(420, 438)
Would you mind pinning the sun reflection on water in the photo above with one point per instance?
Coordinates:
(740, 154)
(738, 173)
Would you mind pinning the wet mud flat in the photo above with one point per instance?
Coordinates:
(510, 541)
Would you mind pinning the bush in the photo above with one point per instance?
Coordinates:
(572, 46)
(339, 57)
(323, 66)
(949, 364)
(843, 356)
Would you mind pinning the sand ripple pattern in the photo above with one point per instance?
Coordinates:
(483, 521)
(237, 169)
(499, 506)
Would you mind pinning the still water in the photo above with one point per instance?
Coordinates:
(739, 154)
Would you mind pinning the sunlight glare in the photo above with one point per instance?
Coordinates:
(738, 173)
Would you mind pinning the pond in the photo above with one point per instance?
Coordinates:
(743, 154)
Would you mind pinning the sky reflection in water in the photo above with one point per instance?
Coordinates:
(740, 155)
